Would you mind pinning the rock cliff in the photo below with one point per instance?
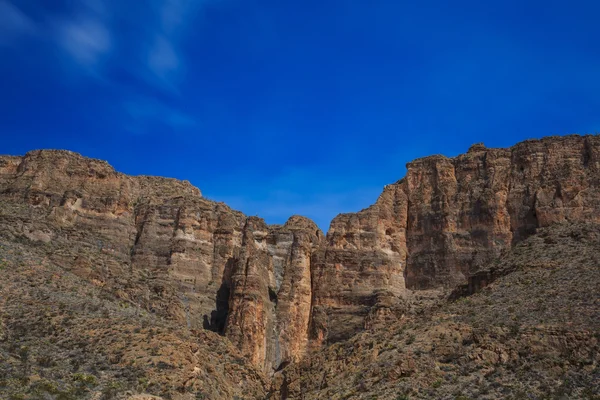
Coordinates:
(465, 210)
(278, 291)
(446, 220)
(532, 333)
(158, 245)
(270, 300)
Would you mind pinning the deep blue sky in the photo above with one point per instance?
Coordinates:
(280, 107)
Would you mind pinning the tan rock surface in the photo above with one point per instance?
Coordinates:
(157, 244)
(533, 333)
(466, 210)
(280, 292)
(447, 219)
(270, 301)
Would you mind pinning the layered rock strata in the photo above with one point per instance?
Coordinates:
(446, 220)
(270, 301)
(160, 246)
(278, 291)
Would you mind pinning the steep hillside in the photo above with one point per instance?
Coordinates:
(447, 219)
(156, 244)
(63, 337)
(534, 333)
(163, 260)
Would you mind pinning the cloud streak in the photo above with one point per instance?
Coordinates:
(133, 49)
(163, 60)
(87, 41)
(13, 23)
(141, 39)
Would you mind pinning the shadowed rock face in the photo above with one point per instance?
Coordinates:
(523, 336)
(270, 300)
(364, 254)
(158, 244)
(447, 219)
(155, 241)
(277, 291)
(464, 211)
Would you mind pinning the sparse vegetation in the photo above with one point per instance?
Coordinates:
(62, 338)
(517, 338)
(92, 308)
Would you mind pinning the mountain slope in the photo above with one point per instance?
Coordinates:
(534, 333)
(64, 337)
(151, 251)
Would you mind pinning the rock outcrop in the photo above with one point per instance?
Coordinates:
(154, 241)
(159, 245)
(464, 211)
(270, 301)
(447, 219)
(364, 255)
(533, 333)
(279, 291)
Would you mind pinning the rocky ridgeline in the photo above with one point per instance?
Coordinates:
(278, 291)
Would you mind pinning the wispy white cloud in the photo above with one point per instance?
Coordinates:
(13, 23)
(83, 34)
(163, 59)
(143, 40)
(86, 40)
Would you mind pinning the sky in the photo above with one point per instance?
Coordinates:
(281, 107)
